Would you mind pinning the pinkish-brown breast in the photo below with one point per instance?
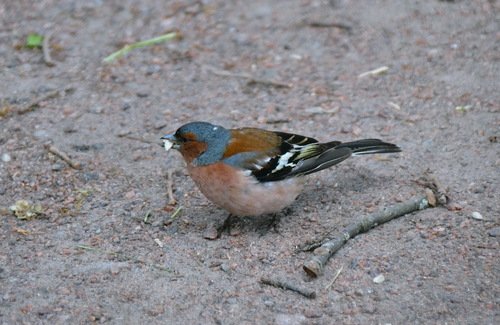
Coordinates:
(243, 195)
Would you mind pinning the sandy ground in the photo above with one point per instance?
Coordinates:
(90, 257)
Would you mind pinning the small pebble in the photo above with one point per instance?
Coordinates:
(89, 176)
(41, 134)
(494, 232)
(96, 109)
(6, 157)
(379, 279)
(57, 167)
(476, 215)
(224, 267)
(268, 303)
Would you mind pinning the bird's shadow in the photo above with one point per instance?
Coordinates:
(235, 225)
(353, 179)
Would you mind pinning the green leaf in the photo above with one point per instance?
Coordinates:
(34, 40)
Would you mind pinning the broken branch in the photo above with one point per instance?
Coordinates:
(55, 151)
(285, 285)
(314, 266)
(36, 102)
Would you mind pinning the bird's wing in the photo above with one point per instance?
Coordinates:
(273, 156)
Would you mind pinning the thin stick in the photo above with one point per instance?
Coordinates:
(170, 191)
(320, 24)
(127, 48)
(335, 277)
(285, 285)
(46, 51)
(374, 72)
(124, 257)
(314, 266)
(176, 212)
(131, 137)
(36, 102)
(63, 156)
(170, 220)
(251, 79)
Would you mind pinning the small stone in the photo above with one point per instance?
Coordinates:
(6, 157)
(81, 147)
(224, 267)
(369, 308)
(130, 195)
(96, 109)
(57, 167)
(41, 134)
(89, 176)
(476, 215)
(268, 302)
(494, 232)
(211, 232)
(97, 146)
(379, 279)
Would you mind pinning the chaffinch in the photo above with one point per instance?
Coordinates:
(250, 171)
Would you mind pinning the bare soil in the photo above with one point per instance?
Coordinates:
(106, 250)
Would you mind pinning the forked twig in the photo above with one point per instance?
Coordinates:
(314, 266)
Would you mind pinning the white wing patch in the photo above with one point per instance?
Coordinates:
(283, 162)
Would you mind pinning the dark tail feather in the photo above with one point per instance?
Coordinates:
(369, 146)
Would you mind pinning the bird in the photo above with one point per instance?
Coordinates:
(252, 172)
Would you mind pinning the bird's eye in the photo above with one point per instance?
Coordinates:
(186, 136)
(179, 137)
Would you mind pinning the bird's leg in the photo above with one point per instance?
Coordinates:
(215, 230)
(226, 225)
(271, 223)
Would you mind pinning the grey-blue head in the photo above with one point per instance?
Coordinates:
(215, 137)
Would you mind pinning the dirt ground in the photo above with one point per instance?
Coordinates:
(104, 248)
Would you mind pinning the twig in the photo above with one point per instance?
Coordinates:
(170, 191)
(335, 277)
(124, 257)
(127, 48)
(46, 51)
(320, 24)
(36, 102)
(374, 72)
(314, 266)
(285, 285)
(183, 8)
(251, 79)
(146, 217)
(170, 220)
(131, 137)
(176, 212)
(63, 156)
(434, 189)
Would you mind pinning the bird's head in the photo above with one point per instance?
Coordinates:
(200, 143)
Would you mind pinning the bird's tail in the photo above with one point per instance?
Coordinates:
(369, 146)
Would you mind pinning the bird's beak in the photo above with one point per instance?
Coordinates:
(170, 141)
